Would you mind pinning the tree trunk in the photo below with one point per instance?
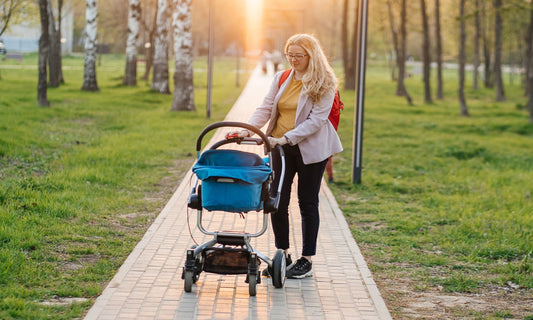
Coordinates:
(486, 49)
(498, 25)
(160, 78)
(529, 57)
(60, 59)
(130, 75)
(54, 58)
(183, 76)
(344, 38)
(350, 80)
(530, 100)
(44, 42)
(394, 35)
(89, 70)
(348, 50)
(529, 52)
(438, 39)
(400, 89)
(55, 50)
(476, 46)
(149, 58)
(462, 61)
(426, 54)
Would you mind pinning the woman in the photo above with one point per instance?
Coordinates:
(298, 113)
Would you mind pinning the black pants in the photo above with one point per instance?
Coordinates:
(309, 180)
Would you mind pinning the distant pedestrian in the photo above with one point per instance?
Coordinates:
(265, 58)
(298, 112)
(276, 59)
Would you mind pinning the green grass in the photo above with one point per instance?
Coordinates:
(445, 200)
(81, 181)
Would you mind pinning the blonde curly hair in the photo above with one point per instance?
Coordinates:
(319, 79)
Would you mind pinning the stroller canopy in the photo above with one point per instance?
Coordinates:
(220, 163)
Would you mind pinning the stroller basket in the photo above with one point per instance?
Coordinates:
(232, 180)
(227, 260)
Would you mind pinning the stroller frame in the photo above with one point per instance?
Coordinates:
(234, 247)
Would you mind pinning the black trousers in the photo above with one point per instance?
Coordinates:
(309, 180)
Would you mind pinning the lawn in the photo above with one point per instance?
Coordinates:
(444, 208)
(81, 181)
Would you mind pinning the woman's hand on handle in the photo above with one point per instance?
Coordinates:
(239, 134)
(275, 141)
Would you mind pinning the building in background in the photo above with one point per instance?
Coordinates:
(24, 37)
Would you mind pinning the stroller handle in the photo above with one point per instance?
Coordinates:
(221, 124)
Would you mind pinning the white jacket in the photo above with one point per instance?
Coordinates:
(313, 133)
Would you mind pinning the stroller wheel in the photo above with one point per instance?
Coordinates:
(191, 270)
(252, 284)
(252, 275)
(187, 284)
(279, 266)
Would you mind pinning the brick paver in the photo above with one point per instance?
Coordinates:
(149, 284)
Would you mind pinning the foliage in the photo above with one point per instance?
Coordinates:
(15, 11)
(80, 181)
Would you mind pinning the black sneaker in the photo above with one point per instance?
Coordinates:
(288, 262)
(301, 269)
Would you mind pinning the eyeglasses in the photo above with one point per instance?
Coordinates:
(296, 57)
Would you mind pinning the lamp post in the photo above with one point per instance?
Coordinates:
(360, 70)
(210, 58)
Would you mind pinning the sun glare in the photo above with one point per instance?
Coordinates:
(254, 25)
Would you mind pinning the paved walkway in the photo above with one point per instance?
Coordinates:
(149, 284)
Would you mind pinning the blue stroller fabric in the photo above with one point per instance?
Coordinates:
(231, 180)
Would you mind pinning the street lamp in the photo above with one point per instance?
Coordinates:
(360, 69)
(210, 58)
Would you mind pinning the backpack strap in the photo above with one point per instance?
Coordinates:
(284, 77)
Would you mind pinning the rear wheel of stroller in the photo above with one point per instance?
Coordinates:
(279, 266)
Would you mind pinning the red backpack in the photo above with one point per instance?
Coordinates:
(338, 105)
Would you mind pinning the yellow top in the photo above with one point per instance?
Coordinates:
(287, 105)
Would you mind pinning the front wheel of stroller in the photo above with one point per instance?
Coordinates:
(189, 279)
(252, 285)
(253, 274)
(279, 266)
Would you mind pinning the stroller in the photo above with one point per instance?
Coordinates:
(237, 182)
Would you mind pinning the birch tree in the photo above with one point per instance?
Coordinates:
(160, 78)
(44, 40)
(183, 76)
(89, 70)
(130, 75)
